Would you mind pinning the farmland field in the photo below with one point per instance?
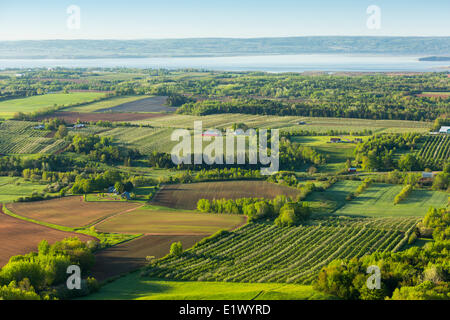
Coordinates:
(146, 140)
(12, 188)
(186, 196)
(435, 149)
(261, 252)
(20, 237)
(150, 220)
(22, 144)
(133, 287)
(69, 211)
(9, 107)
(104, 104)
(151, 104)
(20, 137)
(289, 123)
(378, 200)
(73, 117)
(132, 254)
(334, 197)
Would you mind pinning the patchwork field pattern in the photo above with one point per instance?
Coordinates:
(261, 252)
(70, 211)
(21, 237)
(186, 196)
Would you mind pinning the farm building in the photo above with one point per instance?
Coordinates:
(79, 126)
(39, 127)
(335, 140)
(352, 170)
(211, 133)
(428, 175)
(445, 129)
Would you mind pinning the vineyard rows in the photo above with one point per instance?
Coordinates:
(267, 253)
(435, 150)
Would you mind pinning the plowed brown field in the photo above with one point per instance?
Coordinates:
(70, 211)
(186, 196)
(131, 255)
(21, 237)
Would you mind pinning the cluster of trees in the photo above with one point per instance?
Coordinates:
(418, 273)
(285, 211)
(294, 156)
(403, 194)
(42, 275)
(176, 100)
(377, 153)
(380, 97)
(102, 149)
(101, 181)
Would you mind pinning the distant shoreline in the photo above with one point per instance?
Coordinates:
(435, 58)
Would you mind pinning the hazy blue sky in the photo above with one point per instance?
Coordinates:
(132, 19)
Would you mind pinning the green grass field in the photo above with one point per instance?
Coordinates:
(12, 188)
(160, 220)
(9, 107)
(134, 287)
(335, 153)
(378, 200)
(333, 198)
(108, 103)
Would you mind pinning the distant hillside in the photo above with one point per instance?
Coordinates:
(204, 47)
(434, 58)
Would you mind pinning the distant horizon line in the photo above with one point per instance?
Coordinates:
(224, 38)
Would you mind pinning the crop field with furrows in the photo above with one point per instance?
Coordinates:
(9, 107)
(289, 123)
(22, 128)
(435, 149)
(131, 255)
(149, 220)
(70, 211)
(146, 140)
(74, 117)
(186, 196)
(261, 252)
(378, 200)
(21, 237)
(105, 104)
(148, 104)
(24, 144)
